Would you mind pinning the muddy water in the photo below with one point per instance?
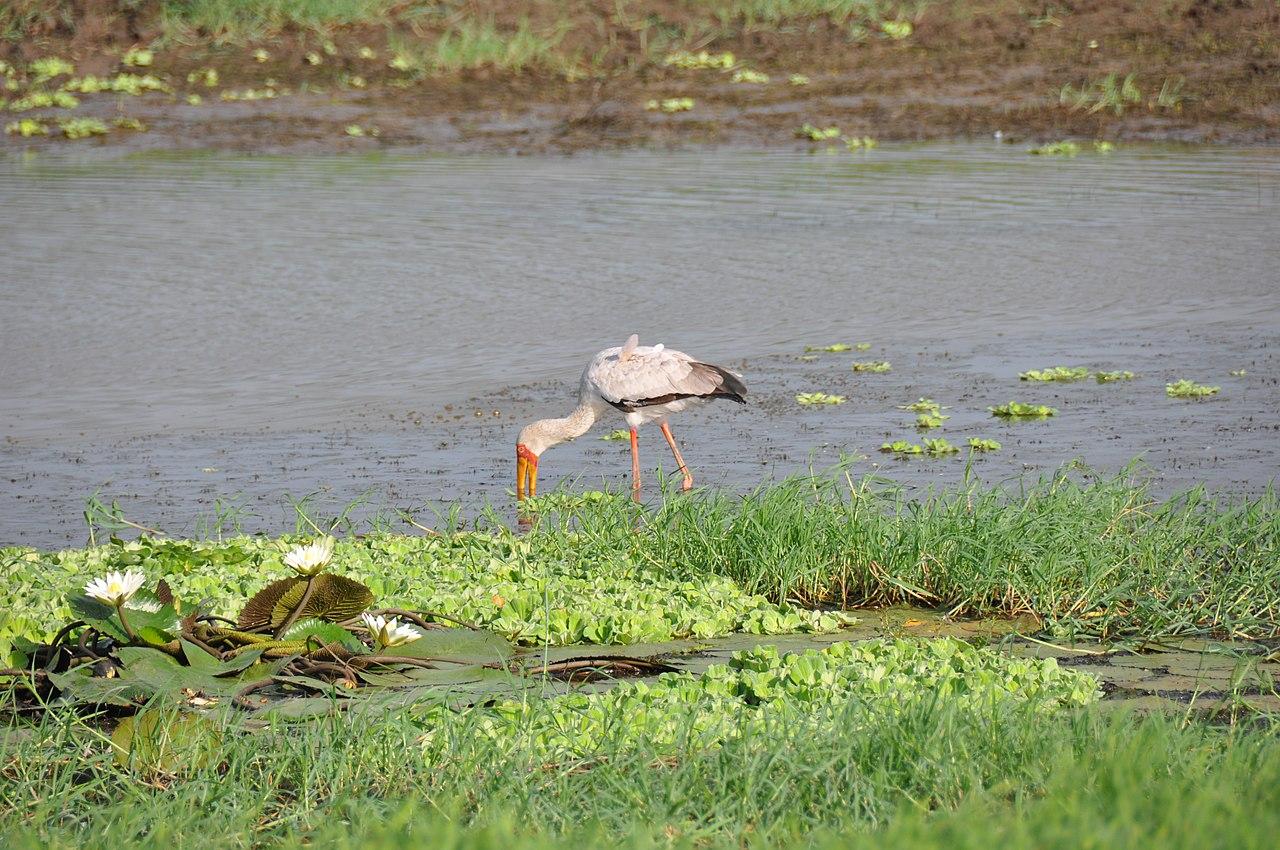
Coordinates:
(181, 327)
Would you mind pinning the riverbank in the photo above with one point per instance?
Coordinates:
(488, 76)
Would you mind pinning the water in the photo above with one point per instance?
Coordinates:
(160, 301)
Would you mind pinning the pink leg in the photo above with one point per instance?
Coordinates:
(675, 451)
(635, 465)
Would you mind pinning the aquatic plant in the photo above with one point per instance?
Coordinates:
(862, 346)
(871, 366)
(249, 95)
(1103, 147)
(1238, 373)
(798, 80)
(670, 105)
(260, 55)
(923, 405)
(1055, 373)
(902, 447)
(746, 75)
(807, 358)
(617, 434)
(1112, 377)
(48, 67)
(930, 420)
(1018, 410)
(208, 77)
(834, 347)
(138, 57)
(981, 444)
(818, 134)
(403, 62)
(702, 60)
(82, 128)
(1064, 148)
(358, 131)
(938, 446)
(1170, 95)
(27, 127)
(44, 100)
(1185, 388)
(313, 58)
(819, 398)
(367, 53)
(856, 143)
(124, 122)
(194, 99)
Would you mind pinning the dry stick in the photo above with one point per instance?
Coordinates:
(302, 603)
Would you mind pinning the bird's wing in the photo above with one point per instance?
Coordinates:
(652, 375)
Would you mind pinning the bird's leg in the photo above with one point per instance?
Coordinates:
(635, 465)
(675, 451)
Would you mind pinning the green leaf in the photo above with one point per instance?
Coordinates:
(326, 633)
(166, 741)
(462, 646)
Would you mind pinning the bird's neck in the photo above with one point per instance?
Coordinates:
(574, 425)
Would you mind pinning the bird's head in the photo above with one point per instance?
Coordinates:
(532, 442)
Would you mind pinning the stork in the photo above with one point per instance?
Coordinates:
(645, 383)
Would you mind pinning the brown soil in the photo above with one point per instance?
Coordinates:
(969, 69)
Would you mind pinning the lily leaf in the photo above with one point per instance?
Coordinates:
(462, 646)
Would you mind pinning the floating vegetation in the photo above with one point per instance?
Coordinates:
(124, 83)
(48, 67)
(902, 447)
(367, 53)
(670, 105)
(923, 405)
(355, 130)
(862, 346)
(1112, 377)
(856, 143)
(1104, 147)
(261, 55)
(356, 81)
(807, 358)
(1189, 389)
(138, 57)
(818, 134)
(820, 398)
(617, 434)
(208, 77)
(834, 347)
(930, 420)
(748, 76)
(702, 60)
(1056, 149)
(871, 366)
(1056, 373)
(938, 446)
(897, 30)
(194, 99)
(798, 80)
(44, 100)
(1018, 410)
(127, 123)
(981, 444)
(27, 127)
(313, 58)
(1238, 373)
(402, 62)
(82, 128)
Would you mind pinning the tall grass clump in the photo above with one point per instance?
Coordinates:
(1102, 556)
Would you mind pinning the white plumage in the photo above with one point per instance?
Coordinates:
(643, 383)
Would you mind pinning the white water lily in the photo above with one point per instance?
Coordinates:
(115, 588)
(311, 559)
(389, 632)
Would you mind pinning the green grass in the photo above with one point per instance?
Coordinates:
(931, 773)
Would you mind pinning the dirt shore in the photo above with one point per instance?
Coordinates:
(1202, 71)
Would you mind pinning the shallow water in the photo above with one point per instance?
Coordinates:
(338, 314)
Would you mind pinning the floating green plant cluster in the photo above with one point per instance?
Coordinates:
(930, 420)
(819, 398)
(1186, 388)
(617, 434)
(859, 143)
(834, 347)
(872, 366)
(981, 444)
(1055, 373)
(923, 405)
(1238, 373)
(818, 134)
(798, 80)
(748, 76)
(1068, 148)
(670, 105)
(935, 447)
(1019, 410)
(1112, 377)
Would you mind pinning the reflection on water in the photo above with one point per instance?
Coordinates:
(195, 292)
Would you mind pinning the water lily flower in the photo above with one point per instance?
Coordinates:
(115, 588)
(389, 632)
(311, 559)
